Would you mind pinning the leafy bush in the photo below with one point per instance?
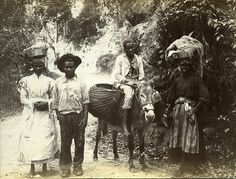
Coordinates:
(13, 41)
(105, 63)
(86, 25)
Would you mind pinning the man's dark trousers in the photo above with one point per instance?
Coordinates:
(71, 127)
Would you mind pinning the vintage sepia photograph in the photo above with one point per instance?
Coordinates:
(117, 89)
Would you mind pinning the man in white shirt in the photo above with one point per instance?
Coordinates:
(128, 71)
(71, 105)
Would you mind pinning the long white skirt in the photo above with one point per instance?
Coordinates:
(38, 141)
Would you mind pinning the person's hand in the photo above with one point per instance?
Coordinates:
(41, 105)
(190, 113)
(36, 104)
(132, 82)
(164, 120)
(84, 122)
(58, 114)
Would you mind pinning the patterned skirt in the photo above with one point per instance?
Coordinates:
(184, 132)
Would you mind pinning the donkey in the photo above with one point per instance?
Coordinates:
(140, 116)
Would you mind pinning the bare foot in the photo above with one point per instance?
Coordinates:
(31, 173)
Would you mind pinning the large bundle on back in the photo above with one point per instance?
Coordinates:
(192, 47)
(104, 99)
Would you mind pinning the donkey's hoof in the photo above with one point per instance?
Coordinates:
(95, 158)
(116, 158)
(144, 168)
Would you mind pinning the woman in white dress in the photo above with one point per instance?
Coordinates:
(38, 139)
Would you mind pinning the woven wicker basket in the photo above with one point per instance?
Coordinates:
(104, 99)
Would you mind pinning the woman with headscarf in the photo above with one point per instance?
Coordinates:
(187, 97)
(38, 138)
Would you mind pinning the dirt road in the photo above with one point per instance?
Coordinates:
(105, 167)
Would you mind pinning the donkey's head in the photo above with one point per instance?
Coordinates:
(146, 97)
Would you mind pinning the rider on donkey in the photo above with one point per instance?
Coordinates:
(128, 71)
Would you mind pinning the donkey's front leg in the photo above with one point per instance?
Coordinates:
(131, 150)
(98, 136)
(114, 137)
(141, 150)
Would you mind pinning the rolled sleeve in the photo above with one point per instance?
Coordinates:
(118, 69)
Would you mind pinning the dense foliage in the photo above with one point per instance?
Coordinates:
(86, 25)
(13, 41)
